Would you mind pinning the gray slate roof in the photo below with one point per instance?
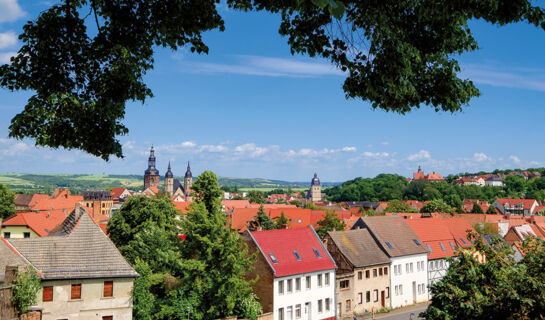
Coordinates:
(359, 247)
(82, 252)
(397, 232)
(8, 258)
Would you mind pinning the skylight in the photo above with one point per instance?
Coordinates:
(452, 245)
(297, 255)
(429, 248)
(389, 245)
(417, 242)
(442, 247)
(463, 241)
(316, 252)
(273, 258)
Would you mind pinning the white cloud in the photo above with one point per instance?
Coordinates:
(188, 144)
(502, 76)
(515, 159)
(5, 56)
(10, 10)
(349, 149)
(7, 39)
(480, 157)
(420, 155)
(376, 154)
(265, 66)
(213, 148)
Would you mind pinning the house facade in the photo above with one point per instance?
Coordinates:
(363, 272)
(83, 277)
(296, 273)
(524, 207)
(408, 256)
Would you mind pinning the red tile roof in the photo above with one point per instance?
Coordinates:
(283, 242)
(182, 205)
(41, 223)
(433, 232)
(232, 204)
(240, 216)
(116, 192)
(459, 228)
(526, 203)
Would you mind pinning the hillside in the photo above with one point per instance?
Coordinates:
(46, 183)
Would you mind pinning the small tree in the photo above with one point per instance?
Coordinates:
(476, 208)
(330, 222)
(261, 221)
(491, 210)
(399, 206)
(25, 289)
(255, 196)
(7, 202)
(436, 205)
(282, 221)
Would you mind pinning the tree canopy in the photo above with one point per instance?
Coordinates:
(436, 205)
(83, 60)
(7, 202)
(330, 222)
(262, 221)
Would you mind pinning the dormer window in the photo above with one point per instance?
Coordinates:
(442, 247)
(429, 248)
(316, 252)
(417, 242)
(463, 241)
(297, 255)
(389, 245)
(273, 258)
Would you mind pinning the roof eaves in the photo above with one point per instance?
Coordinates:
(263, 253)
(323, 246)
(22, 257)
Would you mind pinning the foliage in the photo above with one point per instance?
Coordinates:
(491, 210)
(25, 289)
(255, 196)
(499, 288)
(282, 221)
(384, 187)
(143, 299)
(312, 206)
(476, 208)
(486, 228)
(330, 222)
(296, 203)
(7, 202)
(437, 205)
(398, 56)
(261, 221)
(207, 191)
(399, 206)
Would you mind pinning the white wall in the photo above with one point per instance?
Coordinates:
(407, 295)
(305, 295)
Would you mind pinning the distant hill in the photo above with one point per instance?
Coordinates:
(46, 183)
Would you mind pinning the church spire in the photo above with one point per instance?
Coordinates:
(169, 172)
(188, 173)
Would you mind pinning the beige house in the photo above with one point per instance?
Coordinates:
(83, 274)
(363, 274)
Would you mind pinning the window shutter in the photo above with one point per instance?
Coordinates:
(76, 291)
(47, 294)
(108, 288)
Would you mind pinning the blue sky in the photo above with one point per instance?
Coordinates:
(251, 109)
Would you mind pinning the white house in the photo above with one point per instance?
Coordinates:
(525, 207)
(296, 274)
(494, 181)
(408, 256)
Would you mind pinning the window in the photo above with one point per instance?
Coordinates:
(319, 280)
(375, 295)
(360, 275)
(423, 288)
(452, 246)
(368, 296)
(290, 285)
(367, 274)
(463, 241)
(308, 282)
(387, 292)
(326, 279)
(297, 284)
(417, 242)
(47, 294)
(411, 267)
(108, 318)
(280, 313)
(374, 273)
(385, 271)
(418, 266)
(316, 252)
(344, 284)
(348, 306)
(281, 287)
(406, 268)
(297, 255)
(380, 272)
(396, 290)
(360, 298)
(273, 258)
(327, 302)
(320, 306)
(289, 313)
(418, 289)
(442, 247)
(401, 289)
(75, 292)
(108, 288)
(429, 248)
(389, 245)
(297, 311)
(7, 235)
(26, 234)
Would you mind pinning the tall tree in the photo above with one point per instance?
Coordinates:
(255, 196)
(476, 208)
(396, 55)
(207, 191)
(261, 221)
(282, 221)
(7, 202)
(330, 222)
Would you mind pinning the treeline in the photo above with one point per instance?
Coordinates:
(386, 187)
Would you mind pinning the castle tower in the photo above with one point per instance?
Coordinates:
(315, 189)
(169, 181)
(151, 175)
(188, 179)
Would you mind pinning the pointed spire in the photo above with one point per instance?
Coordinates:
(188, 173)
(169, 166)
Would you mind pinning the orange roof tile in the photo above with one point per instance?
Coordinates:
(182, 206)
(41, 223)
(435, 233)
(116, 192)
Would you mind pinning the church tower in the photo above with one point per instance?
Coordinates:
(151, 175)
(169, 181)
(315, 189)
(188, 179)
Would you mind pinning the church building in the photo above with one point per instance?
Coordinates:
(315, 192)
(172, 186)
